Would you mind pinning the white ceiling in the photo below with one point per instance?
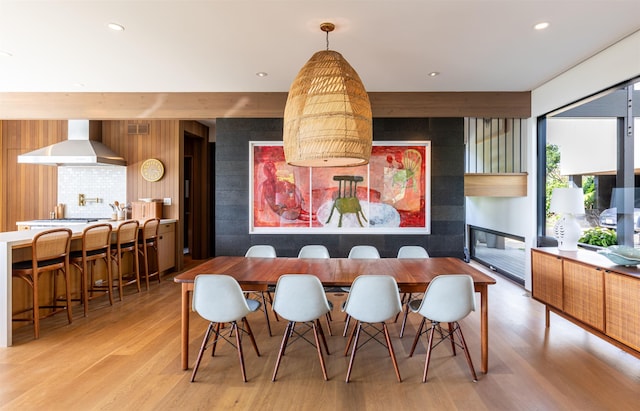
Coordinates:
(219, 45)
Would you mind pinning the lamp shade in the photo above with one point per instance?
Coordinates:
(567, 200)
(327, 117)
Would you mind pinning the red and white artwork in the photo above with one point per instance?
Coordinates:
(388, 195)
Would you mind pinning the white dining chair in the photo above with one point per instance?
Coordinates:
(361, 252)
(300, 298)
(412, 251)
(320, 252)
(448, 299)
(373, 299)
(263, 251)
(313, 251)
(409, 252)
(219, 300)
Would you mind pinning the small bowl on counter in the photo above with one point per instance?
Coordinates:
(622, 255)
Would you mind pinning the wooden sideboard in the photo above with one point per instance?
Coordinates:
(587, 289)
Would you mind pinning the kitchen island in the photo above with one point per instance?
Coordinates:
(16, 246)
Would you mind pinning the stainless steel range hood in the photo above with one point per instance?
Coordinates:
(77, 150)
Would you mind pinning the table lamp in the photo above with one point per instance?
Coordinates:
(567, 202)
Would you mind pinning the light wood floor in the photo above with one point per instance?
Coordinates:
(127, 357)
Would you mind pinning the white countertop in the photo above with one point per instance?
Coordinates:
(17, 238)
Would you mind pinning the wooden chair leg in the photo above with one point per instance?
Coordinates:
(466, 352)
(136, 265)
(266, 314)
(328, 316)
(146, 265)
(353, 332)
(415, 340)
(109, 279)
(429, 347)
(283, 344)
(357, 328)
(275, 314)
(36, 307)
(346, 325)
(67, 287)
(215, 341)
(207, 334)
(404, 319)
(324, 340)
(84, 286)
(451, 340)
(250, 332)
(315, 334)
(240, 355)
(391, 352)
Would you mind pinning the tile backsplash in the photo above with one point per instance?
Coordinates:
(107, 183)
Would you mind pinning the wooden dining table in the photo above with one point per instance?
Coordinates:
(412, 275)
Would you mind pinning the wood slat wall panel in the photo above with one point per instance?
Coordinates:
(115, 106)
(162, 143)
(21, 181)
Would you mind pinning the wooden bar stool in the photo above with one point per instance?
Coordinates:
(126, 242)
(49, 253)
(96, 245)
(148, 242)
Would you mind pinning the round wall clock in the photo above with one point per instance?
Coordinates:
(152, 169)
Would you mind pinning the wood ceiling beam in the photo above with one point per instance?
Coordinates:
(198, 105)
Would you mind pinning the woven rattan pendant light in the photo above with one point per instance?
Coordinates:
(327, 118)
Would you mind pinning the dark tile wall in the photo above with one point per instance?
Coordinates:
(447, 194)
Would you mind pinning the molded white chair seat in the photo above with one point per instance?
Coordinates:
(313, 251)
(448, 299)
(412, 251)
(373, 299)
(358, 252)
(300, 298)
(261, 251)
(264, 251)
(364, 251)
(409, 251)
(219, 299)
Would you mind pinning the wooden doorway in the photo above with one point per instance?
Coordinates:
(196, 212)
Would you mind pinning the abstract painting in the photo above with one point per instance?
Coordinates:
(389, 195)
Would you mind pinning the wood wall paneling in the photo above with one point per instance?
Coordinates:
(162, 142)
(21, 181)
(495, 184)
(116, 106)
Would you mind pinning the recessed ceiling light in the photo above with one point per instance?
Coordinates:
(5, 53)
(541, 26)
(115, 27)
(262, 74)
(434, 74)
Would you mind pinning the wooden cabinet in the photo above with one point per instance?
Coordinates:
(583, 293)
(590, 291)
(141, 210)
(623, 308)
(547, 284)
(167, 246)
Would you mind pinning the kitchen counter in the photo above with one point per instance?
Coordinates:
(12, 240)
